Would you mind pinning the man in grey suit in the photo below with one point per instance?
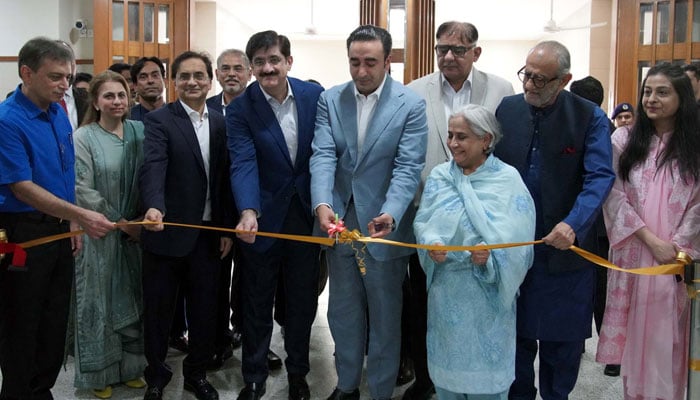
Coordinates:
(368, 152)
(456, 84)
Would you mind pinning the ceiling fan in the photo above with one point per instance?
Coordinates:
(551, 26)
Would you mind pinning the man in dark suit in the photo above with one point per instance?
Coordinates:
(183, 180)
(270, 129)
(233, 73)
(560, 144)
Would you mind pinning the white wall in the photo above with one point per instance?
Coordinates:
(24, 19)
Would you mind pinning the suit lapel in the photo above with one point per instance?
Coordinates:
(478, 88)
(384, 111)
(185, 128)
(269, 121)
(304, 132)
(437, 108)
(346, 110)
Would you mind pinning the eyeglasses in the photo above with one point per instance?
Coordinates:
(198, 76)
(457, 51)
(537, 80)
(272, 60)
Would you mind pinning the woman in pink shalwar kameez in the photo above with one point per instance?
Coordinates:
(653, 211)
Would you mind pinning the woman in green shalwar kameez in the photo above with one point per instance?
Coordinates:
(107, 334)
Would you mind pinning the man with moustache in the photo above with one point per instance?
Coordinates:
(270, 129)
(37, 199)
(560, 144)
(147, 74)
(184, 179)
(456, 84)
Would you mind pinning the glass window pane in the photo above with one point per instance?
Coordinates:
(397, 27)
(134, 22)
(148, 22)
(680, 23)
(642, 69)
(117, 20)
(662, 23)
(646, 15)
(164, 24)
(396, 72)
(117, 59)
(696, 21)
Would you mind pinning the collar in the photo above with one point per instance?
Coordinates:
(444, 83)
(377, 91)
(289, 94)
(32, 110)
(193, 114)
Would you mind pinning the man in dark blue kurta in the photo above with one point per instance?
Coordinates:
(560, 144)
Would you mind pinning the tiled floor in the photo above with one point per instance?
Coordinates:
(592, 384)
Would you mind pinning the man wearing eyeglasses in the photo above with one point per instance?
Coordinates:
(560, 144)
(184, 179)
(456, 84)
(270, 128)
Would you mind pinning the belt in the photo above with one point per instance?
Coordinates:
(34, 216)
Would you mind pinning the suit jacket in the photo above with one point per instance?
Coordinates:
(214, 103)
(173, 179)
(262, 175)
(384, 177)
(487, 90)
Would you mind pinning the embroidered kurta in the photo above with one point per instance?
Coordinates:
(645, 326)
(107, 306)
(471, 309)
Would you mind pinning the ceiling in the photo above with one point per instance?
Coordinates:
(335, 19)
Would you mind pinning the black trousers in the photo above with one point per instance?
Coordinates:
(197, 275)
(223, 308)
(300, 268)
(418, 316)
(34, 306)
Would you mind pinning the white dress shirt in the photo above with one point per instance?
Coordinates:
(200, 123)
(365, 110)
(286, 114)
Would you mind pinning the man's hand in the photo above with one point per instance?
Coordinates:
(438, 255)
(76, 242)
(381, 225)
(248, 222)
(225, 246)
(153, 215)
(94, 224)
(561, 237)
(326, 217)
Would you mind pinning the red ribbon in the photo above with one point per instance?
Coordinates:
(336, 228)
(19, 255)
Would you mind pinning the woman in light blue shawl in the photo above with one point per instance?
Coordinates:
(473, 199)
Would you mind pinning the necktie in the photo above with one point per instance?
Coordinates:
(64, 106)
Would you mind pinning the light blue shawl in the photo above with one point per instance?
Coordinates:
(471, 309)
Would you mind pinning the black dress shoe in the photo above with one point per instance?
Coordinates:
(273, 361)
(298, 388)
(252, 391)
(612, 370)
(418, 391)
(202, 389)
(179, 343)
(406, 373)
(153, 393)
(235, 338)
(340, 395)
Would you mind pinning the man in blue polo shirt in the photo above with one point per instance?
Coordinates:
(37, 195)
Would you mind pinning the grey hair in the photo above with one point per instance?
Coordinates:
(560, 51)
(233, 52)
(482, 122)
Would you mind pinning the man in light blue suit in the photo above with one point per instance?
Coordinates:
(368, 152)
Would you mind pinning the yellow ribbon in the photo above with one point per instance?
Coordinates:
(694, 365)
(355, 236)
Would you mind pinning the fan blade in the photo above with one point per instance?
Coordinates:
(573, 28)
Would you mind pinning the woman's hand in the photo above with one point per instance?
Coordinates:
(480, 257)
(437, 255)
(664, 252)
